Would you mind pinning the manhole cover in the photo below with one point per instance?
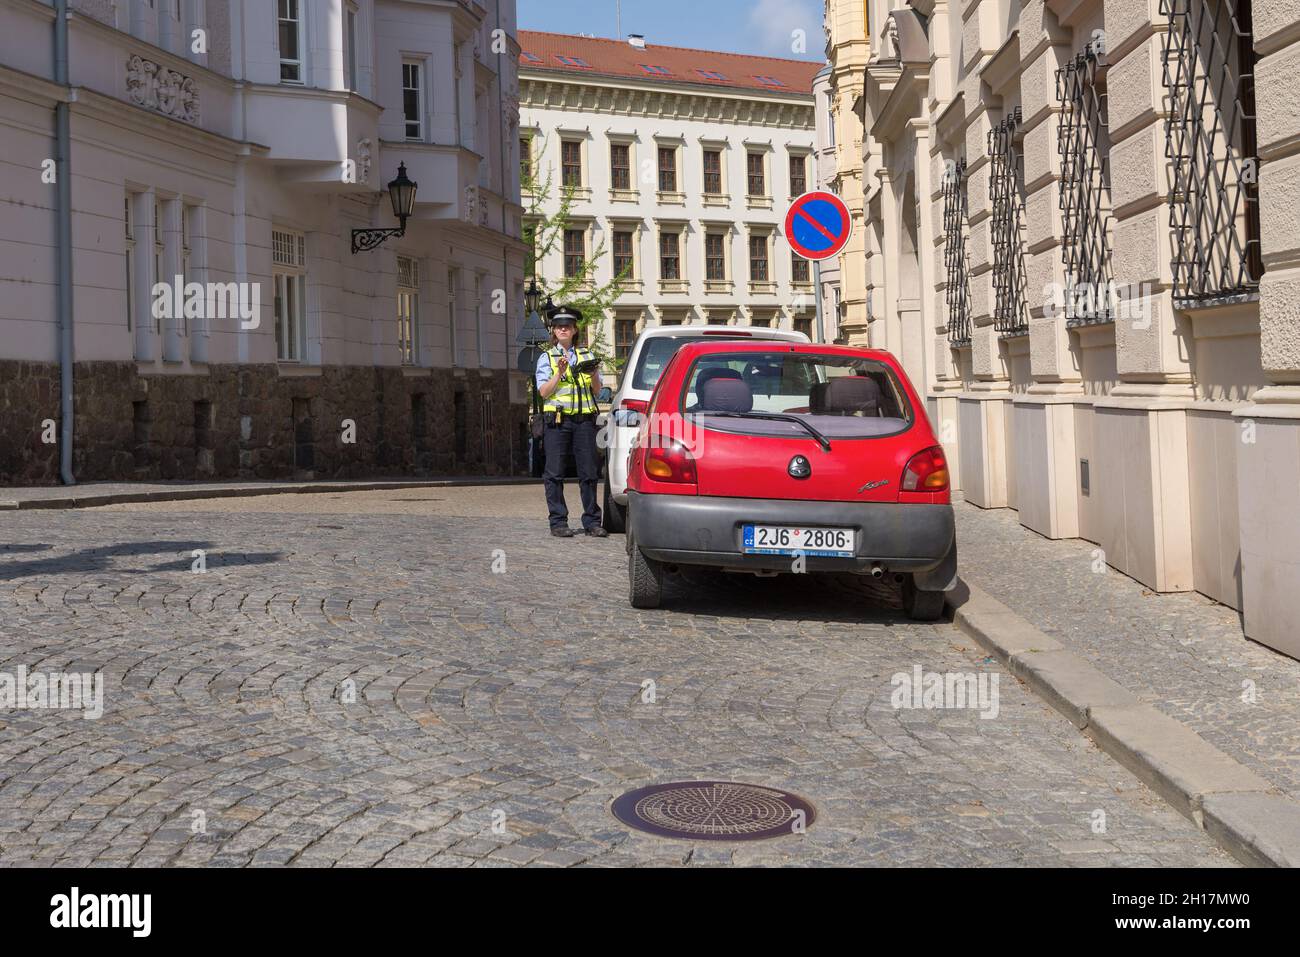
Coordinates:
(714, 811)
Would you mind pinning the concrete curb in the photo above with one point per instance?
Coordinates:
(1240, 810)
(90, 498)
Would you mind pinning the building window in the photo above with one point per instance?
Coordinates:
(571, 163)
(1010, 311)
(715, 257)
(758, 259)
(957, 290)
(624, 336)
(754, 167)
(129, 222)
(289, 273)
(158, 250)
(803, 324)
(526, 161)
(667, 169)
(623, 259)
(530, 256)
(290, 31)
(351, 38)
(408, 310)
(620, 165)
(798, 175)
(489, 430)
(1211, 138)
(670, 260)
(187, 256)
(798, 268)
(575, 251)
(412, 100)
(453, 340)
(712, 172)
(764, 322)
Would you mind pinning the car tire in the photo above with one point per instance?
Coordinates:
(922, 605)
(613, 516)
(645, 578)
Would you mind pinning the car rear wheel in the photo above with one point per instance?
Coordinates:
(646, 579)
(613, 515)
(921, 605)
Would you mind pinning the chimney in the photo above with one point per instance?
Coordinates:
(637, 40)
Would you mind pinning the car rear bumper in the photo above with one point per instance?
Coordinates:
(706, 530)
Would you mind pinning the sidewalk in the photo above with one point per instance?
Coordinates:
(112, 493)
(1181, 654)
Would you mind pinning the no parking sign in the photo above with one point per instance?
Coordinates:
(818, 225)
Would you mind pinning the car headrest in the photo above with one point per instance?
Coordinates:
(817, 397)
(716, 372)
(851, 395)
(725, 395)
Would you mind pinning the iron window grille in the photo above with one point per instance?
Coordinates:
(1010, 310)
(957, 291)
(1210, 140)
(1084, 147)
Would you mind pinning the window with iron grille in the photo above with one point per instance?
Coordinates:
(715, 259)
(957, 293)
(798, 268)
(1010, 309)
(758, 258)
(571, 163)
(1084, 146)
(620, 165)
(623, 254)
(798, 175)
(624, 336)
(667, 169)
(670, 261)
(1210, 139)
(712, 172)
(754, 166)
(575, 251)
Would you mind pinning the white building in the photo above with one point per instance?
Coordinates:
(242, 141)
(685, 161)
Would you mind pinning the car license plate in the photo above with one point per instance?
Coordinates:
(788, 540)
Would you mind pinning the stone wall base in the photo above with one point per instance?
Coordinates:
(252, 422)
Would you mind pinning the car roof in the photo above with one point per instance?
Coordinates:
(741, 332)
(693, 349)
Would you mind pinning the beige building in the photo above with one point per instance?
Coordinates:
(1086, 246)
(847, 49)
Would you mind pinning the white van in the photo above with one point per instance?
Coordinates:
(648, 358)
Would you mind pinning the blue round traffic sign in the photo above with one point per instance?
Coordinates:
(818, 225)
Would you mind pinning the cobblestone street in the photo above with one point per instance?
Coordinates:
(231, 734)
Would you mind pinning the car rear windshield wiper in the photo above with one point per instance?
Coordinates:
(778, 417)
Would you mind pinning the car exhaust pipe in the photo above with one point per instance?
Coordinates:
(876, 571)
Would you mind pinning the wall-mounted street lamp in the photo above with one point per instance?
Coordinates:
(532, 297)
(402, 193)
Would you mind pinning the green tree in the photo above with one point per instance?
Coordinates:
(544, 232)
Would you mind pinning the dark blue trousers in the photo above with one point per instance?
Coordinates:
(559, 440)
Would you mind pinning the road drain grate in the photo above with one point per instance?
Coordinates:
(714, 811)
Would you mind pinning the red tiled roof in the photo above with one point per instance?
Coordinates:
(607, 57)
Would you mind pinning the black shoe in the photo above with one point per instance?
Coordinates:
(597, 532)
(562, 531)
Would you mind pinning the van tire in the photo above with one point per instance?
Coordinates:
(613, 517)
(645, 579)
(922, 605)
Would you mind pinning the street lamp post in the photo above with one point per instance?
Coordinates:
(532, 337)
(401, 192)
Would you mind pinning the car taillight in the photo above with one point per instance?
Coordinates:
(926, 472)
(634, 405)
(667, 460)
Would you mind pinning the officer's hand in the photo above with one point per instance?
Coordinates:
(563, 365)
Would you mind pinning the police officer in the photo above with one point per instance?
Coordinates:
(569, 410)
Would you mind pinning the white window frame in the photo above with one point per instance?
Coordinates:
(419, 99)
(408, 310)
(350, 31)
(289, 273)
(298, 63)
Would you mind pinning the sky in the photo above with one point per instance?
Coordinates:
(764, 27)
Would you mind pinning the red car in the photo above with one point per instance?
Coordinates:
(770, 457)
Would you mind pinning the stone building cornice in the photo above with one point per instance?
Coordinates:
(546, 93)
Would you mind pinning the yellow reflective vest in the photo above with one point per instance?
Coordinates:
(573, 394)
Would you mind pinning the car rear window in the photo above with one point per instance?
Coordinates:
(658, 350)
(840, 396)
